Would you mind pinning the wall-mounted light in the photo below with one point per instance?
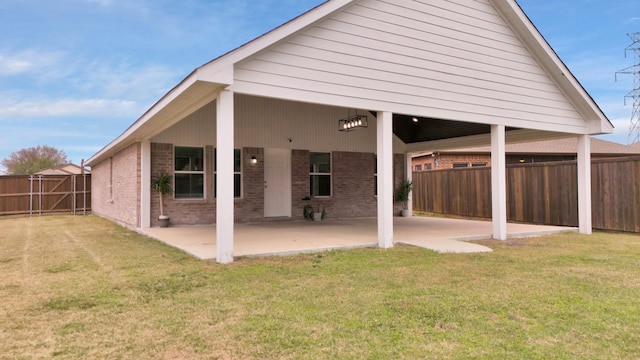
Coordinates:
(415, 119)
(254, 160)
(521, 160)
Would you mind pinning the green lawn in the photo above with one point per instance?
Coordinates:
(82, 287)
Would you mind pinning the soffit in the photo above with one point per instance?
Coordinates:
(430, 129)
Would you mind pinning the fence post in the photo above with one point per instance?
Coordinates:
(84, 194)
(73, 206)
(31, 196)
(40, 195)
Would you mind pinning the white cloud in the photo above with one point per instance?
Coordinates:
(141, 82)
(70, 86)
(11, 66)
(67, 107)
(27, 61)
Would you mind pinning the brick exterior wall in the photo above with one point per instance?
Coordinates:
(203, 211)
(353, 193)
(353, 185)
(299, 182)
(446, 161)
(116, 181)
(182, 211)
(251, 206)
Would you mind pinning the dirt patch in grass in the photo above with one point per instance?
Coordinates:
(82, 287)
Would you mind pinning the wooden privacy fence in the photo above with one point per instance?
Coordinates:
(537, 193)
(44, 194)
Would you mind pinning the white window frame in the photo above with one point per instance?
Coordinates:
(375, 175)
(215, 173)
(330, 173)
(191, 172)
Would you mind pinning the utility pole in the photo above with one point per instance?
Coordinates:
(634, 127)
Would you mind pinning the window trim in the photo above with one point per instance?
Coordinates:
(460, 165)
(375, 175)
(330, 173)
(215, 172)
(194, 172)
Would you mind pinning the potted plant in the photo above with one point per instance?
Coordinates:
(402, 195)
(162, 185)
(313, 214)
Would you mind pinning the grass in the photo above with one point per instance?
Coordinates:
(82, 287)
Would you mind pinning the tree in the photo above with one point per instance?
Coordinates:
(29, 161)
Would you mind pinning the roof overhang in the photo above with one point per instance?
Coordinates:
(195, 91)
(204, 83)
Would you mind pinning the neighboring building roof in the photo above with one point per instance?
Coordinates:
(635, 145)
(66, 169)
(554, 146)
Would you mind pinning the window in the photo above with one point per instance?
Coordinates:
(427, 166)
(189, 172)
(418, 168)
(479, 164)
(320, 174)
(375, 175)
(460, 165)
(237, 173)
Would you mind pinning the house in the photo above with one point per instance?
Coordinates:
(66, 169)
(518, 153)
(249, 134)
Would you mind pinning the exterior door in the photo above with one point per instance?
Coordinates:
(277, 183)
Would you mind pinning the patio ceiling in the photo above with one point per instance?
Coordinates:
(430, 129)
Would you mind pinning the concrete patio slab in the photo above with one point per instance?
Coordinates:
(293, 237)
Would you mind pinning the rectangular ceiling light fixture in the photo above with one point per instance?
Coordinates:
(353, 122)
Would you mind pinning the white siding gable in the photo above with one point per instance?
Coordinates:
(454, 59)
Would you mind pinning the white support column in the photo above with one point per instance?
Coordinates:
(584, 184)
(498, 183)
(385, 179)
(409, 175)
(145, 184)
(224, 179)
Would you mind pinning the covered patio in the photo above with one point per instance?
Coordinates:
(332, 105)
(278, 238)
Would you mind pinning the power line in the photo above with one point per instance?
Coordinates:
(634, 127)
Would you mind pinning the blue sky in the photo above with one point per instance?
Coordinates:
(75, 74)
